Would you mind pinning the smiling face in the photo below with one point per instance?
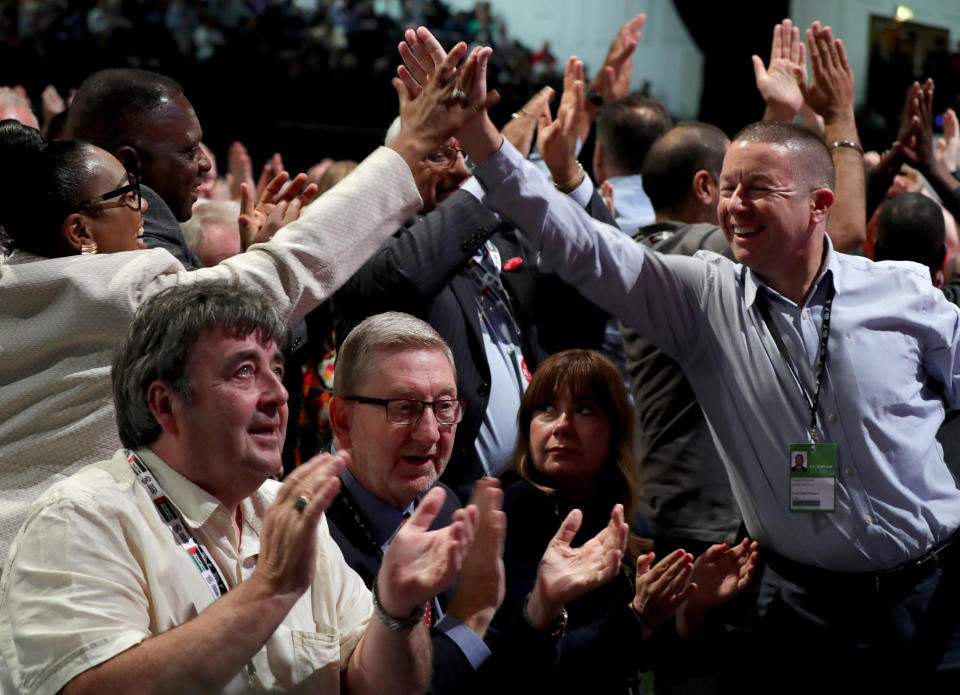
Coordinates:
(766, 214)
(435, 180)
(231, 430)
(171, 160)
(569, 440)
(113, 224)
(397, 462)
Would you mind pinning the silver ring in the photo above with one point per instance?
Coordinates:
(458, 94)
(301, 503)
(519, 114)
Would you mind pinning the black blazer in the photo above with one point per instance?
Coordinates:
(417, 271)
(451, 669)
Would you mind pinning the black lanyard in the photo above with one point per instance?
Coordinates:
(821, 355)
(180, 531)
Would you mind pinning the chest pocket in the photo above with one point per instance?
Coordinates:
(316, 660)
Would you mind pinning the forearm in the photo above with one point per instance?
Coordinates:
(395, 661)
(946, 186)
(848, 217)
(200, 656)
(310, 258)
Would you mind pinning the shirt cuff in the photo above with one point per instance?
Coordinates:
(498, 166)
(583, 193)
(469, 642)
(473, 187)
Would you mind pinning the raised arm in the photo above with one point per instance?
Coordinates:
(922, 154)
(778, 82)
(205, 653)
(831, 95)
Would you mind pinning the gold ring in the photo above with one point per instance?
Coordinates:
(301, 503)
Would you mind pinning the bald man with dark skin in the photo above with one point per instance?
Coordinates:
(145, 120)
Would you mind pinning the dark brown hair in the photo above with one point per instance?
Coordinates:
(588, 375)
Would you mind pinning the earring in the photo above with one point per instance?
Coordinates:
(87, 249)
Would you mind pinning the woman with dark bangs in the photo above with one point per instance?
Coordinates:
(575, 458)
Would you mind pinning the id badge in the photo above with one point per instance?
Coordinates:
(813, 477)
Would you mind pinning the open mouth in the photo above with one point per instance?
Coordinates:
(744, 232)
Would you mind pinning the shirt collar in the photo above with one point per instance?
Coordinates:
(751, 283)
(384, 519)
(194, 504)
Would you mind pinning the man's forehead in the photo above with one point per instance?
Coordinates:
(391, 372)
(756, 158)
(224, 344)
(175, 119)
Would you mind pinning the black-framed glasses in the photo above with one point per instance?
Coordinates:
(408, 411)
(446, 156)
(129, 196)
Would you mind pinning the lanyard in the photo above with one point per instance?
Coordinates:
(821, 363)
(181, 533)
(345, 502)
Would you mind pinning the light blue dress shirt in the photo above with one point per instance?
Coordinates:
(384, 521)
(634, 209)
(892, 335)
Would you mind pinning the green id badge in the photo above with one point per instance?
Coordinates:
(813, 477)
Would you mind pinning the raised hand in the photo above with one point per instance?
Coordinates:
(662, 589)
(557, 139)
(919, 150)
(948, 149)
(422, 54)
(566, 573)
(271, 169)
(779, 82)
(448, 102)
(278, 205)
(288, 541)
(612, 81)
(519, 130)
(719, 574)
(421, 563)
(239, 169)
(53, 105)
(482, 582)
(723, 571)
(831, 92)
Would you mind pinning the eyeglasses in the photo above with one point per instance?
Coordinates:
(446, 156)
(408, 411)
(129, 196)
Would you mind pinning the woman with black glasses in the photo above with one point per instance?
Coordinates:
(70, 287)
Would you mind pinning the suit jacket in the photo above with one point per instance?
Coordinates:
(452, 670)
(418, 271)
(161, 230)
(686, 492)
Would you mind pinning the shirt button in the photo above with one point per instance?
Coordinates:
(832, 417)
(868, 519)
(804, 315)
(848, 470)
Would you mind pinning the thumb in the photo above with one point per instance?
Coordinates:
(428, 509)
(643, 563)
(402, 95)
(569, 527)
(759, 72)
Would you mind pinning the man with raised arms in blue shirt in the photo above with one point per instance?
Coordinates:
(794, 348)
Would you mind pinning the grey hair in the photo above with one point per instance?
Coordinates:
(222, 211)
(158, 343)
(389, 332)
